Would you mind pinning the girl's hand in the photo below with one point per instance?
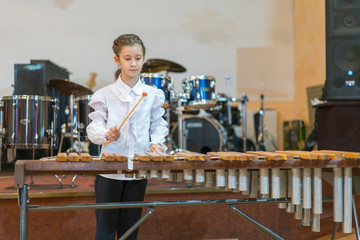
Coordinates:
(155, 148)
(113, 134)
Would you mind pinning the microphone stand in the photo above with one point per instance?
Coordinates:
(180, 129)
(229, 123)
(243, 117)
(181, 140)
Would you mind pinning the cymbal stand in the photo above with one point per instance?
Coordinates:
(77, 127)
(52, 133)
(180, 127)
(229, 127)
(71, 122)
(244, 101)
(167, 113)
(63, 132)
(228, 100)
(261, 125)
(168, 110)
(181, 140)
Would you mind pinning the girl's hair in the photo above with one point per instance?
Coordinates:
(127, 40)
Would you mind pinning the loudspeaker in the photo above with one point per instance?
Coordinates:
(32, 79)
(338, 126)
(342, 50)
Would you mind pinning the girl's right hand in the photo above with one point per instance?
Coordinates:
(113, 134)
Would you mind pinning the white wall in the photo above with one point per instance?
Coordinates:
(204, 36)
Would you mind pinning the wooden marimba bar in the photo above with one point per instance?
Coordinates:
(281, 174)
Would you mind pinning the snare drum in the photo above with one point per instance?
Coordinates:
(82, 111)
(201, 134)
(159, 81)
(201, 90)
(29, 121)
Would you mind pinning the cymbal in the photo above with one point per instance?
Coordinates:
(157, 65)
(69, 88)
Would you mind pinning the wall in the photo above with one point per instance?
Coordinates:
(251, 41)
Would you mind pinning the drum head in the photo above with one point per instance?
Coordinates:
(201, 135)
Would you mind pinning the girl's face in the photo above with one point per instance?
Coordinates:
(131, 60)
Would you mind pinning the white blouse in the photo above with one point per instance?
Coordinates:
(145, 125)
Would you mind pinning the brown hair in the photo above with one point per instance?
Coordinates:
(127, 40)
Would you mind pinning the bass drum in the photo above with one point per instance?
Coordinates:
(202, 134)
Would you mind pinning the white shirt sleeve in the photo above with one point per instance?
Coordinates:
(97, 129)
(158, 126)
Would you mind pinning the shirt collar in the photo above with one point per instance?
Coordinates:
(125, 89)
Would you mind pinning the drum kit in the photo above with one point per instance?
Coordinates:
(203, 121)
(29, 123)
(200, 119)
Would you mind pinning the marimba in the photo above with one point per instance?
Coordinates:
(292, 178)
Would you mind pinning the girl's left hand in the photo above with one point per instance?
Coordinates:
(155, 148)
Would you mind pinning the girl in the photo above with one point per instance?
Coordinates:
(111, 105)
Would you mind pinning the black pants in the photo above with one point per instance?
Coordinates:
(111, 221)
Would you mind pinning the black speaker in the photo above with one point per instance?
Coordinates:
(32, 79)
(342, 50)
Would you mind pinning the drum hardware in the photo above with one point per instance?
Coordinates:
(261, 125)
(180, 99)
(71, 122)
(69, 130)
(72, 90)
